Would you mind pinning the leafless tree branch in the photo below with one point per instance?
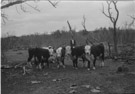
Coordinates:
(53, 4)
(4, 17)
(17, 9)
(107, 15)
(23, 8)
(69, 26)
(83, 22)
(12, 3)
(35, 8)
(15, 2)
(113, 19)
(70, 29)
(133, 21)
(114, 3)
(132, 17)
(23, 3)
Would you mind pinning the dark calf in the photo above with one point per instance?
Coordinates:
(97, 51)
(40, 56)
(76, 52)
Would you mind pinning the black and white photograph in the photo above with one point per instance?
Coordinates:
(67, 47)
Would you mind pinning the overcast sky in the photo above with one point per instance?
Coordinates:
(50, 19)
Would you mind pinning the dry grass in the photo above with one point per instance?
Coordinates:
(106, 78)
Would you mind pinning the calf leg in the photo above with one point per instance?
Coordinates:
(43, 63)
(83, 58)
(47, 62)
(73, 60)
(94, 62)
(58, 62)
(102, 63)
(88, 58)
(29, 59)
(88, 65)
(24, 70)
(63, 62)
(76, 62)
(36, 62)
(73, 63)
(39, 62)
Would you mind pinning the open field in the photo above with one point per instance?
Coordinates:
(36, 24)
(51, 80)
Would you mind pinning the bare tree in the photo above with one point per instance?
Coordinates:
(70, 29)
(132, 22)
(126, 25)
(5, 4)
(83, 22)
(22, 3)
(9, 3)
(113, 19)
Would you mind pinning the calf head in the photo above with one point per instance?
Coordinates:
(58, 52)
(51, 51)
(87, 49)
(68, 50)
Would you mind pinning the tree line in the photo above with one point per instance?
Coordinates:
(62, 38)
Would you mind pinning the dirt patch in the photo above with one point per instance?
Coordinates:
(103, 80)
(106, 78)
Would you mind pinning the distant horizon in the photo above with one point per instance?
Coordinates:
(50, 19)
(60, 30)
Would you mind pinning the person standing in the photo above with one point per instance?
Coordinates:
(72, 42)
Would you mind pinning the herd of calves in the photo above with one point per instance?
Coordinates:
(45, 55)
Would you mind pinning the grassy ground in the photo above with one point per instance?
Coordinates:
(64, 81)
